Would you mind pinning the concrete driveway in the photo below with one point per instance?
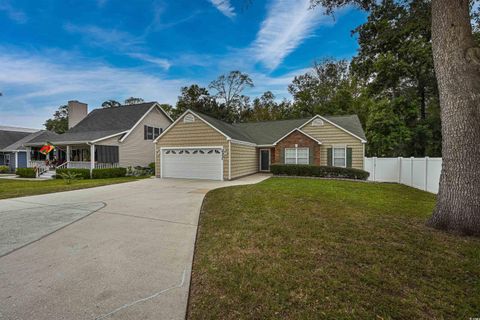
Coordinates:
(115, 252)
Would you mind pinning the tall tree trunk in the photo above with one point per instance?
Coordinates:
(457, 67)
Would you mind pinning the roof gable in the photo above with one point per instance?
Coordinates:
(348, 123)
(299, 131)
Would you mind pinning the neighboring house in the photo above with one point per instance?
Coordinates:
(104, 138)
(201, 147)
(12, 153)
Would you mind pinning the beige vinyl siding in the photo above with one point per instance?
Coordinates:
(197, 133)
(330, 135)
(110, 141)
(134, 150)
(244, 160)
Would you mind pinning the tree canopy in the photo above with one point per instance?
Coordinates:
(59, 122)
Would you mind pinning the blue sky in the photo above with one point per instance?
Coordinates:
(92, 51)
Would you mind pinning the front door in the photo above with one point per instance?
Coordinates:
(264, 160)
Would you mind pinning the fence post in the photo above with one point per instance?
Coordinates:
(374, 168)
(426, 173)
(411, 171)
(399, 169)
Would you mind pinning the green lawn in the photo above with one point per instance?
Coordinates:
(325, 249)
(18, 188)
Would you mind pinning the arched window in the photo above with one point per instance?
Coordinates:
(189, 118)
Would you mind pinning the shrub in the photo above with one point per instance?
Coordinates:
(318, 171)
(26, 172)
(108, 173)
(139, 171)
(152, 166)
(69, 176)
(81, 173)
(4, 169)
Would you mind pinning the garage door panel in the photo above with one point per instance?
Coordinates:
(205, 163)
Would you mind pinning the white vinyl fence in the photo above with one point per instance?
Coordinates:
(420, 173)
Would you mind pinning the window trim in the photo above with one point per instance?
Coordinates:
(344, 147)
(146, 133)
(296, 154)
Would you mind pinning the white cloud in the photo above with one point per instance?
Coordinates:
(119, 41)
(276, 84)
(162, 63)
(287, 25)
(34, 86)
(102, 37)
(225, 7)
(13, 13)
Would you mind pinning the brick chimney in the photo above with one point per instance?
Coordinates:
(76, 112)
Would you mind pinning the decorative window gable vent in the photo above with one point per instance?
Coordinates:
(317, 122)
(189, 118)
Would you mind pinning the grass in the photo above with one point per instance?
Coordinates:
(13, 188)
(325, 249)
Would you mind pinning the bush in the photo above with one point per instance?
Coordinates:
(139, 171)
(108, 173)
(81, 173)
(69, 177)
(4, 169)
(152, 166)
(318, 171)
(26, 172)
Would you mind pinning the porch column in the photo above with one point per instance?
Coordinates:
(29, 156)
(68, 154)
(92, 158)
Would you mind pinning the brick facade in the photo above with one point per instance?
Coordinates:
(302, 141)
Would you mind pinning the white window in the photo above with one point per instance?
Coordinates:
(340, 157)
(317, 122)
(189, 118)
(297, 156)
(290, 156)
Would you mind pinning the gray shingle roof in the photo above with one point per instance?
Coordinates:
(19, 144)
(43, 137)
(229, 129)
(268, 132)
(8, 137)
(100, 123)
(105, 122)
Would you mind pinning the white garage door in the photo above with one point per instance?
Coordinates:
(192, 163)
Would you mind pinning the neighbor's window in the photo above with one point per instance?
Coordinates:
(151, 133)
(340, 157)
(297, 156)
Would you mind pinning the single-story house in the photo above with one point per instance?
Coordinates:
(198, 146)
(12, 152)
(104, 138)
